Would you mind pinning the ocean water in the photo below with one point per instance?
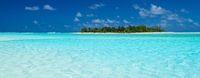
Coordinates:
(69, 55)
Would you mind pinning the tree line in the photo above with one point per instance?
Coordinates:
(122, 29)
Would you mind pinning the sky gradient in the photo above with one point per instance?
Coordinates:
(71, 15)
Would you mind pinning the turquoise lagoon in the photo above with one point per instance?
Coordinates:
(75, 55)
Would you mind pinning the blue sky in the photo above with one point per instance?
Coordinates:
(71, 15)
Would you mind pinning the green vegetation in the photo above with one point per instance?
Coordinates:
(129, 29)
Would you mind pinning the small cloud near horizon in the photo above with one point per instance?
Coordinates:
(48, 7)
(32, 8)
(96, 6)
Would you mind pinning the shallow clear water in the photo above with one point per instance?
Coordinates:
(26, 55)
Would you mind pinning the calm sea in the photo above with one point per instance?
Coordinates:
(70, 55)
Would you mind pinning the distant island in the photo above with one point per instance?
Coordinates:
(122, 29)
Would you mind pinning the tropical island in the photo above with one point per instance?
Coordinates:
(122, 29)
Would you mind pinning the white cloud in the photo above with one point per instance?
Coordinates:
(76, 19)
(48, 7)
(125, 21)
(102, 22)
(110, 21)
(78, 14)
(160, 12)
(190, 20)
(35, 22)
(32, 8)
(167, 17)
(96, 6)
(175, 17)
(135, 6)
(153, 11)
(36, 8)
(98, 21)
(197, 24)
(157, 10)
(193, 22)
(142, 12)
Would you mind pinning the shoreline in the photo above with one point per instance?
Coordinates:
(141, 33)
(99, 33)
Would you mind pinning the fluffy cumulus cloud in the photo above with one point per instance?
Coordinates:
(142, 12)
(97, 6)
(36, 8)
(48, 7)
(32, 8)
(153, 11)
(157, 10)
(165, 16)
